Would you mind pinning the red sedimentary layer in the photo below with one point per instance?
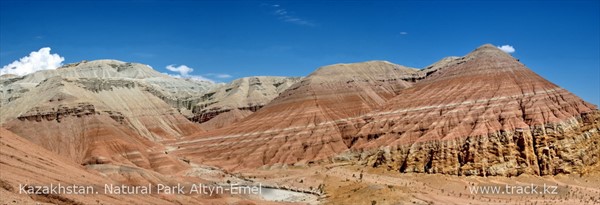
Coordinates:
(296, 126)
(482, 114)
(486, 115)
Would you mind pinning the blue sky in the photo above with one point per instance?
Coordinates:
(559, 40)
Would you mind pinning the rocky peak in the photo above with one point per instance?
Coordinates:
(489, 51)
(487, 60)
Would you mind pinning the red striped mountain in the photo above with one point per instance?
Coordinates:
(481, 114)
(485, 115)
(101, 123)
(305, 122)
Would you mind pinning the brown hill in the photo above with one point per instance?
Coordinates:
(106, 112)
(106, 119)
(481, 114)
(304, 123)
(485, 115)
(25, 163)
(234, 101)
(173, 91)
(117, 124)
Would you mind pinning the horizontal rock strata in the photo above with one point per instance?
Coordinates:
(292, 128)
(488, 115)
(481, 114)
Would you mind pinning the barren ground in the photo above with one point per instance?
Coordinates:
(342, 185)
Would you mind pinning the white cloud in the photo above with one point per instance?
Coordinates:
(35, 61)
(285, 16)
(403, 33)
(191, 77)
(280, 12)
(507, 48)
(183, 70)
(297, 21)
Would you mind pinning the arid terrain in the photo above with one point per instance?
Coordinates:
(352, 133)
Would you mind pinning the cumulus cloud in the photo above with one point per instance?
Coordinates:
(35, 61)
(183, 70)
(507, 48)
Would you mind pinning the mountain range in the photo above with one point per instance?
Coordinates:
(106, 121)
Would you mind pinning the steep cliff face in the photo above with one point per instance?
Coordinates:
(304, 123)
(486, 114)
(229, 103)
